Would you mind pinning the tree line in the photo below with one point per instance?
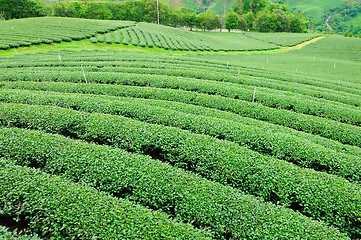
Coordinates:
(258, 15)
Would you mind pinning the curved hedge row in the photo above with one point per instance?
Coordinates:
(226, 211)
(325, 197)
(224, 71)
(341, 132)
(29, 31)
(280, 145)
(181, 107)
(65, 210)
(268, 97)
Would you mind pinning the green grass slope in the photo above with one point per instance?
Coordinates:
(312, 8)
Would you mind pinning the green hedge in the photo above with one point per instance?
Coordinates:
(182, 107)
(185, 196)
(268, 97)
(15, 235)
(283, 146)
(63, 210)
(341, 132)
(325, 197)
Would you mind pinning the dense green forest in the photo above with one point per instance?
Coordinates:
(258, 15)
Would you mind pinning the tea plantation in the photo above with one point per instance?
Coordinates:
(159, 133)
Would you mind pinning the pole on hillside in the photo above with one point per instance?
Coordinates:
(86, 81)
(334, 65)
(227, 63)
(16, 51)
(59, 56)
(158, 11)
(254, 93)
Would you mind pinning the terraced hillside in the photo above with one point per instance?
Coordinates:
(30, 31)
(110, 144)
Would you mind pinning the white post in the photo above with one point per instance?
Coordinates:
(86, 81)
(314, 58)
(12, 27)
(227, 63)
(334, 65)
(59, 56)
(16, 51)
(254, 92)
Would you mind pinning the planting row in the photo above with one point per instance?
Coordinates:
(282, 39)
(342, 132)
(227, 212)
(177, 106)
(190, 68)
(265, 96)
(63, 210)
(184, 69)
(25, 32)
(150, 35)
(325, 197)
(281, 145)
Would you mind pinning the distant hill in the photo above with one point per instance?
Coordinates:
(312, 8)
(344, 15)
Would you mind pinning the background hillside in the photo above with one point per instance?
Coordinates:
(339, 16)
(344, 15)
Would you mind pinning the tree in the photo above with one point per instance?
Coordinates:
(150, 11)
(282, 19)
(63, 9)
(242, 25)
(254, 5)
(175, 17)
(249, 18)
(232, 20)
(208, 20)
(189, 18)
(297, 23)
(98, 11)
(21, 9)
(238, 7)
(266, 21)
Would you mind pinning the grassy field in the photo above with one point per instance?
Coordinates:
(121, 140)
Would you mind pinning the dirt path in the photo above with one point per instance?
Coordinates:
(326, 22)
(304, 43)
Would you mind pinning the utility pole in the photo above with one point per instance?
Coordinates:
(158, 11)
